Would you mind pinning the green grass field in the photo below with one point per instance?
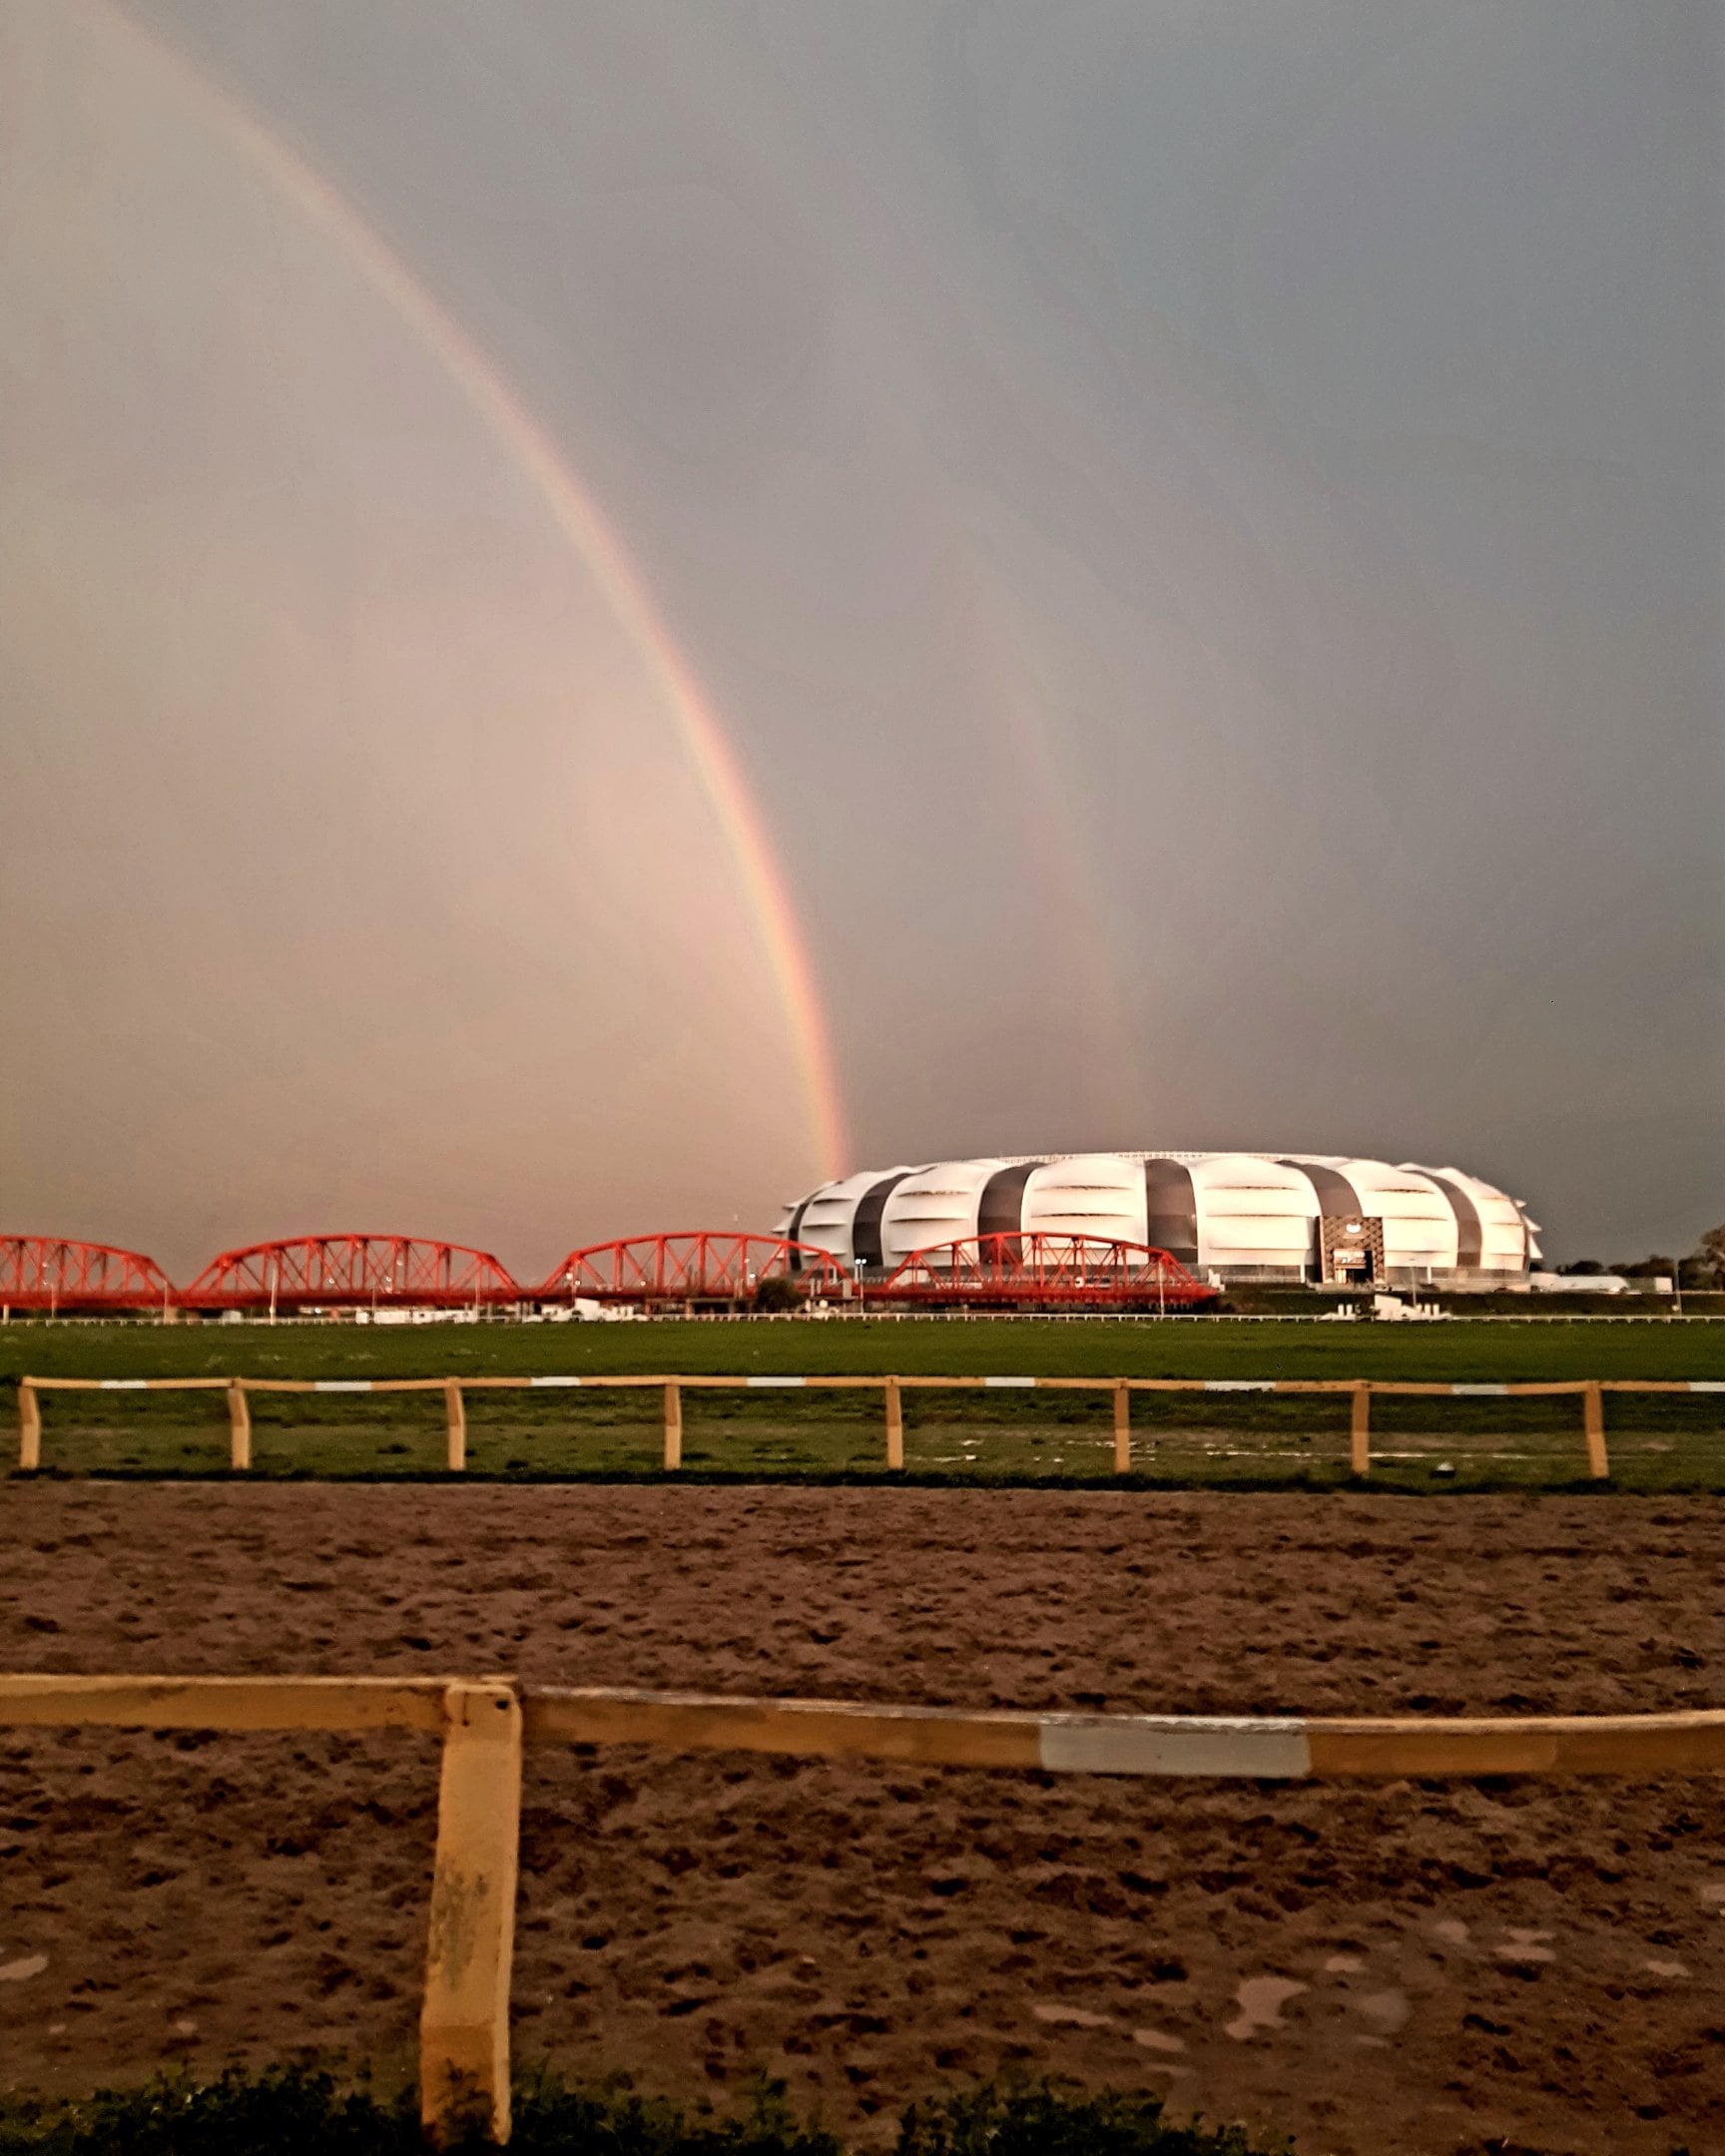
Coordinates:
(1248, 1441)
(1095, 1347)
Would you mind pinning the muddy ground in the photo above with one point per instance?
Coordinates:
(1421, 1969)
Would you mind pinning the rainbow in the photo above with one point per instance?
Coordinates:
(583, 524)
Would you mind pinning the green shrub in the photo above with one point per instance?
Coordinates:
(1048, 2118)
(283, 2109)
(306, 2111)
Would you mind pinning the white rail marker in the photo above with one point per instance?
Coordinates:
(1184, 1745)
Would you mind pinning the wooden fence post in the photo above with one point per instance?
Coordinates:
(1122, 1429)
(29, 1424)
(239, 1427)
(1360, 1434)
(455, 1408)
(894, 1424)
(1594, 1424)
(673, 1426)
(464, 2023)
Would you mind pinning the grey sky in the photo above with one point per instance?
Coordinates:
(1202, 523)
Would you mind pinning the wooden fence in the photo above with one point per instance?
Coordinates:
(1359, 1391)
(484, 1724)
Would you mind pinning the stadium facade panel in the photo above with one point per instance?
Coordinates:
(1240, 1216)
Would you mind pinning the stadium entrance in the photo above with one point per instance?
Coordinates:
(1351, 1248)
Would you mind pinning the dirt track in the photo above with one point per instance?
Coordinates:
(1413, 1969)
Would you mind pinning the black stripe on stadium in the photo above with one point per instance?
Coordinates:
(1000, 1209)
(1336, 1195)
(1469, 1231)
(1171, 1210)
(865, 1225)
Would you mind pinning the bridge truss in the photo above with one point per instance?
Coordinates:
(49, 1272)
(1040, 1270)
(351, 1272)
(698, 1265)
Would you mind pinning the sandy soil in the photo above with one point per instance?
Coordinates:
(1423, 1968)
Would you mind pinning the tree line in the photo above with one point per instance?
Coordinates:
(1703, 1269)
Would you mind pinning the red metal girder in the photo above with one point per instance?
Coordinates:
(52, 1273)
(690, 1265)
(1086, 1272)
(343, 1271)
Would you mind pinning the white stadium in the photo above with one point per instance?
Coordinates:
(1227, 1216)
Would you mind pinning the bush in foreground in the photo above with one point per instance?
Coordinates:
(305, 2111)
(1048, 2118)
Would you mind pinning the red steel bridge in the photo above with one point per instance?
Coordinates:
(698, 1265)
(46, 1272)
(693, 1269)
(1042, 1272)
(351, 1272)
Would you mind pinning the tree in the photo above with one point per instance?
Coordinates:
(775, 1292)
(1710, 1255)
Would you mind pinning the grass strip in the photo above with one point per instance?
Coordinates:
(307, 2111)
(1030, 1346)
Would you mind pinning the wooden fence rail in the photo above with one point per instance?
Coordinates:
(1361, 1392)
(485, 1722)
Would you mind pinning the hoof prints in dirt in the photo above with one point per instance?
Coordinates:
(1428, 1966)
